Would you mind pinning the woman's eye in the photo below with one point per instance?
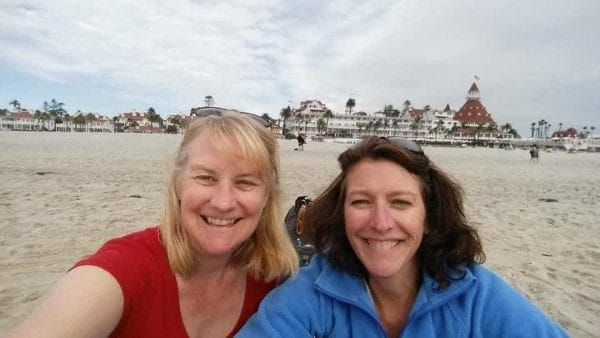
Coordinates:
(359, 202)
(205, 179)
(400, 202)
(246, 184)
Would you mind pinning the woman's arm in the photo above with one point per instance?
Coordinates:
(86, 302)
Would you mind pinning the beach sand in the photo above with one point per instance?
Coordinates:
(64, 194)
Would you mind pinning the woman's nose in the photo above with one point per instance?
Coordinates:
(223, 197)
(380, 218)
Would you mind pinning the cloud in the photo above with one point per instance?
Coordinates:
(536, 59)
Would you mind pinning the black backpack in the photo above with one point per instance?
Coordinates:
(304, 247)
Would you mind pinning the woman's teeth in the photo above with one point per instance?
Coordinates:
(219, 221)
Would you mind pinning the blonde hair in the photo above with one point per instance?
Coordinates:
(268, 254)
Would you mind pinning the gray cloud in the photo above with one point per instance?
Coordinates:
(536, 59)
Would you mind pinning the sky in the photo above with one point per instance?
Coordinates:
(536, 59)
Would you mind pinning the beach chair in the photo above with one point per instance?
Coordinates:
(297, 231)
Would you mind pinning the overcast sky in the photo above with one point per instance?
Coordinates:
(537, 59)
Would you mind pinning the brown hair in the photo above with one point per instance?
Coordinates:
(449, 242)
(268, 254)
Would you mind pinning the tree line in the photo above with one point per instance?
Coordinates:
(56, 112)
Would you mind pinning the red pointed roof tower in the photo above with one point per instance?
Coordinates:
(473, 112)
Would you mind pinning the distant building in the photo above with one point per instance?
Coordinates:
(21, 119)
(473, 113)
(136, 122)
(569, 132)
(475, 123)
(177, 123)
(312, 108)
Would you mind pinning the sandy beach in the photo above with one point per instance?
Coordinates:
(63, 194)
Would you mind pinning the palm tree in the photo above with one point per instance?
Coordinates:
(115, 119)
(560, 126)
(414, 127)
(360, 126)
(377, 125)
(439, 127)
(321, 126)
(386, 126)
(328, 114)
(16, 104)
(350, 104)
(307, 120)
(406, 106)
(584, 131)
(39, 117)
(395, 126)
(532, 128)
(592, 128)
(89, 118)
(208, 100)
(154, 117)
(369, 126)
(67, 120)
(285, 114)
(79, 120)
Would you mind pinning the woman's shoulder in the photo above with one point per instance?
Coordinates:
(500, 303)
(146, 241)
(130, 257)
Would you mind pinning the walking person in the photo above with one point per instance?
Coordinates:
(534, 153)
(301, 140)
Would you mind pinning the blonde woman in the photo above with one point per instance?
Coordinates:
(203, 271)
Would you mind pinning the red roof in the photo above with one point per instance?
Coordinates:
(473, 110)
(416, 113)
(22, 115)
(570, 132)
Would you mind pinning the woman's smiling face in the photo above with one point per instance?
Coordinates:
(384, 215)
(222, 197)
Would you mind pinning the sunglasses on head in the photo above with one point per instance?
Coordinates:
(404, 143)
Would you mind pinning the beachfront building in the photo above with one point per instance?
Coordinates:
(21, 120)
(86, 122)
(177, 123)
(314, 118)
(475, 123)
(433, 123)
(136, 122)
(305, 118)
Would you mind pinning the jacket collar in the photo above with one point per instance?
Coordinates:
(351, 289)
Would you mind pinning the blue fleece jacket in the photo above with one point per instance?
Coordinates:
(322, 301)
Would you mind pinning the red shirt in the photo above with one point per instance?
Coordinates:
(151, 299)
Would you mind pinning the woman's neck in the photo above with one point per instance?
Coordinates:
(393, 298)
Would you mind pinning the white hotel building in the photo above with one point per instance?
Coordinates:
(470, 123)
